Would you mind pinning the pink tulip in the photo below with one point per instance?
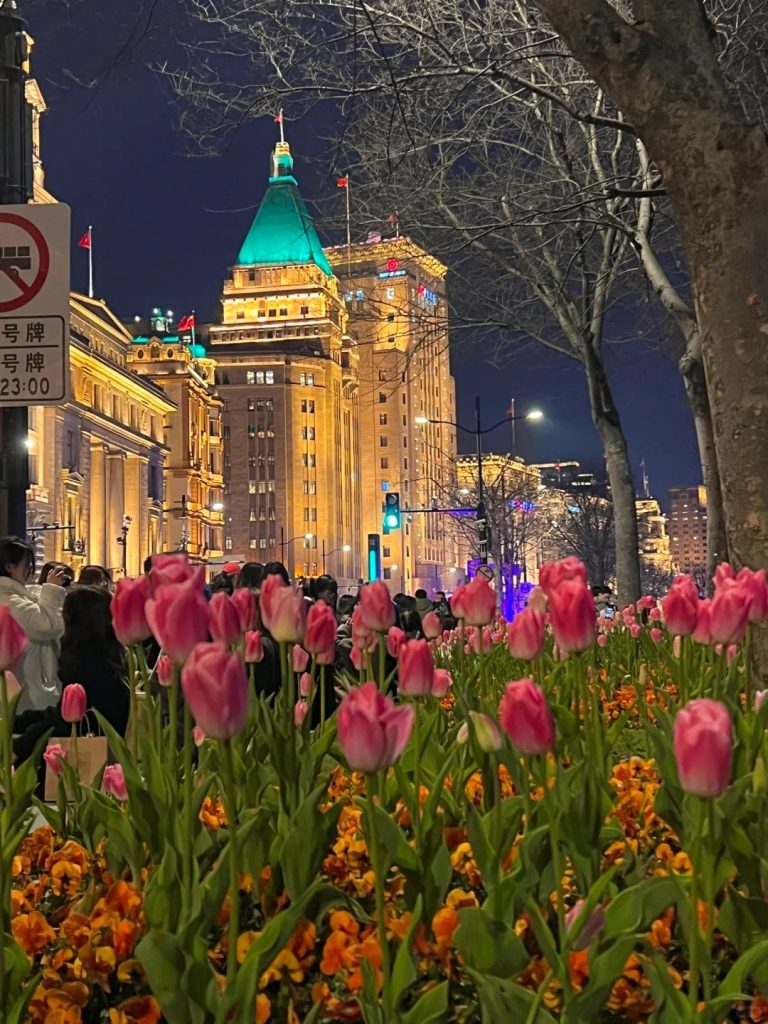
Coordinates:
(723, 572)
(647, 602)
(12, 686)
(320, 635)
(732, 651)
(254, 648)
(216, 689)
(755, 586)
(656, 635)
(13, 639)
(487, 733)
(179, 616)
(552, 574)
(113, 782)
(760, 696)
(681, 606)
(53, 755)
(431, 626)
(244, 601)
(655, 614)
(305, 684)
(164, 670)
(283, 610)
(415, 669)
(442, 681)
(168, 569)
(300, 713)
(299, 658)
(475, 602)
(525, 716)
(74, 703)
(362, 637)
(602, 640)
(589, 930)
(372, 730)
(573, 616)
(198, 735)
(702, 633)
(377, 613)
(462, 735)
(128, 608)
(395, 640)
(225, 619)
(356, 657)
(703, 743)
(635, 630)
(729, 612)
(537, 601)
(525, 635)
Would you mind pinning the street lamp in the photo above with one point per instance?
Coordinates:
(122, 540)
(482, 525)
(346, 548)
(284, 543)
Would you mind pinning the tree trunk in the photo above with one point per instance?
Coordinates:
(605, 416)
(692, 371)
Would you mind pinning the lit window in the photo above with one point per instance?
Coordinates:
(271, 312)
(262, 543)
(253, 542)
(251, 486)
(390, 293)
(382, 398)
(383, 419)
(310, 380)
(250, 377)
(228, 543)
(302, 378)
(251, 404)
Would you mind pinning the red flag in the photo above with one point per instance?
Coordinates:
(186, 323)
(279, 118)
(85, 240)
(392, 218)
(342, 183)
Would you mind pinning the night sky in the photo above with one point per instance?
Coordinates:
(166, 225)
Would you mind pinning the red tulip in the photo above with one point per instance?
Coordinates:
(129, 617)
(573, 616)
(320, 635)
(442, 681)
(283, 610)
(431, 626)
(299, 658)
(53, 755)
(74, 703)
(395, 640)
(244, 600)
(702, 632)
(254, 648)
(377, 613)
(729, 612)
(525, 635)
(13, 639)
(703, 743)
(164, 670)
(305, 684)
(113, 782)
(415, 668)
(681, 606)
(372, 730)
(167, 569)
(179, 616)
(475, 602)
(225, 619)
(525, 716)
(216, 689)
(552, 574)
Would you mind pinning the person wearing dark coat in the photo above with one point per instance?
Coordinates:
(92, 656)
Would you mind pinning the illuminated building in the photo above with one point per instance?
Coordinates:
(287, 373)
(193, 434)
(394, 293)
(655, 553)
(688, 527)
(96, 461)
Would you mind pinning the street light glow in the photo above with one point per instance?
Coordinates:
(534, 414)
(464, 490)
(421, 420)
(347, 547)
(308, 536)
(29, 442)
(393, 568)
(217, 506)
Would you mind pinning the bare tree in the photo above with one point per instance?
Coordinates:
(582, 524)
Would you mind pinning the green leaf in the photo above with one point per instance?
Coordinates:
(431, 1007)
(745, 966)
(307, 841)
(404, 970)
(743, 919)
(635, 909)
(504, 1001)
(391, 836)
(672, 1006)
(604, 970)
(488, 945)
(165, 963)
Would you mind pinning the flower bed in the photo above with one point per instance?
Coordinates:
(586, 847)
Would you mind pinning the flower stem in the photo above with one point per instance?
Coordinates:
(694, 939)
(374, 850)
(6, 771)
(173, 710)
(416, 777)
(322, 697)
(229, 796)
(533, 1013)
(709, 896)
(187, 851)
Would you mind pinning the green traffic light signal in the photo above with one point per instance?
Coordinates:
(392, 511)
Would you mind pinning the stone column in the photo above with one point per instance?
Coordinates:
(115, 508)
(95, 533)
(136, 508)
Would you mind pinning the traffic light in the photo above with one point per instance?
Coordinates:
(392, 511)
(374, 557)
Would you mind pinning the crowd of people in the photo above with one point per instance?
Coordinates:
(72, 640)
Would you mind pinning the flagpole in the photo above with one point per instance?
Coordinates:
(193, 327)
(282, 133)
(349, 234)
(90, 261)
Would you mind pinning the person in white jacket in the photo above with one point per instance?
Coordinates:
(38, 612)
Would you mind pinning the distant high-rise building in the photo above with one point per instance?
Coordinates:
(287, 373)
(394, 293)
(569, 476)
(688, 527)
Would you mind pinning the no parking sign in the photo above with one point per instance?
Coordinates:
(34, 304)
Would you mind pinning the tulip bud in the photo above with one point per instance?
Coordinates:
(305, 684)
(487, 732)
(526, 717)
(254, 648)
(113, 782)
(244, 601)
(431, 625)
(703, 746)
(320, 635)
(198, 735)
(373, 731)
(128, 610)
(299, 658)
(300, 713)
(53, 755)
(179, 616)
(462, 736)
(415, 668)
(216, 689)
(442, 681)
(74, 703)
(225, 619)
(573, 616)
(681, 606)
(759, 776)
(656, 635)
(475, 602)
(164, 669)
(525, 635)
(602, 639)
(395, 640)
(590, 929)
(377, 613)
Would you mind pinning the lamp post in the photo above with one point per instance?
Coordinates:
(285, 543)
(122, 540)
(344, 547)
(482, 522)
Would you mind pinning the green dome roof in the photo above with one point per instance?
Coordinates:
(282, 231)
(197, 351)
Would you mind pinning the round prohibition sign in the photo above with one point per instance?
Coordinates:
(27, 289)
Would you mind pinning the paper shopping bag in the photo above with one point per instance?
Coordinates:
(91, 758)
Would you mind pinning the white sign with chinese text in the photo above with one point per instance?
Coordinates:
(34, 304)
